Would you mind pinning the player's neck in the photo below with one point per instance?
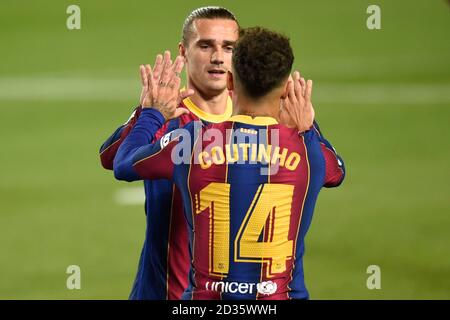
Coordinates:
(264, 107)
(211, 104)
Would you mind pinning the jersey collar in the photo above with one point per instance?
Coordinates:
(209, 117)
(261, 121)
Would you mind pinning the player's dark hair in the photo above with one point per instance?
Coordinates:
(262, 60)
(204, 13)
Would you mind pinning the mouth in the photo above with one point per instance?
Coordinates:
(216, 72)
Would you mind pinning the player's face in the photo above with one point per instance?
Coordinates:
(208, 54)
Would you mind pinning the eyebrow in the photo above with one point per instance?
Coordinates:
(213, 41)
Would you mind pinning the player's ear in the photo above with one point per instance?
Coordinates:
(230, 81)
(182, 50)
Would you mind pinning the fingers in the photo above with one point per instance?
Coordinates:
(165, 73)
(291, 90)
(178, 66)
(174, 84)
(144, 90)
(173, 76)
(303, 83)
(308, 94)
(161, 85)
(157, 67)
(180, 111)
(150, 80)
(297, 107)
(146, 78)
(309, 111)
(143, 73)
(289, 101)
(186, 93)
(175, 71)
(297, 86)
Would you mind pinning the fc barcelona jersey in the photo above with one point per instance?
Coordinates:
(249, 187)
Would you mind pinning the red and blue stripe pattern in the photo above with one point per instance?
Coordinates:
(246, 227)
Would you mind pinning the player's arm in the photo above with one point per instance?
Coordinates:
(159, 105)
(137, 160)
(137, 150)
(109, 148)
(334, 165)
(298, 111)
(335, 168)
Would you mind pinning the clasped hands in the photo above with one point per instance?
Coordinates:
(161, 91)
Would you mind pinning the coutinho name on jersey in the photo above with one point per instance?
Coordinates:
(242, 146)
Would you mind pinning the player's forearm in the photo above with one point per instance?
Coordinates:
(109, 148)
(334, 164)
(141, 135)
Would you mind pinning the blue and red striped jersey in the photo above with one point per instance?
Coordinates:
(164, 261)
(249, 187)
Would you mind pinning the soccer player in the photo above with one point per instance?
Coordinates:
(209, 34)
(249, 184)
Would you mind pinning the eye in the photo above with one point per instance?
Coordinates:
(229, 48)
(204, 46)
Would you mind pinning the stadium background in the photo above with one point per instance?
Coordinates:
(382, 97)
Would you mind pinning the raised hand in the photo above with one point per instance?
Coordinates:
(161, 86)
(296, 109)
(146, 97)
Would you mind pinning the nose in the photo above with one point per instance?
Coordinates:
(217, 56)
